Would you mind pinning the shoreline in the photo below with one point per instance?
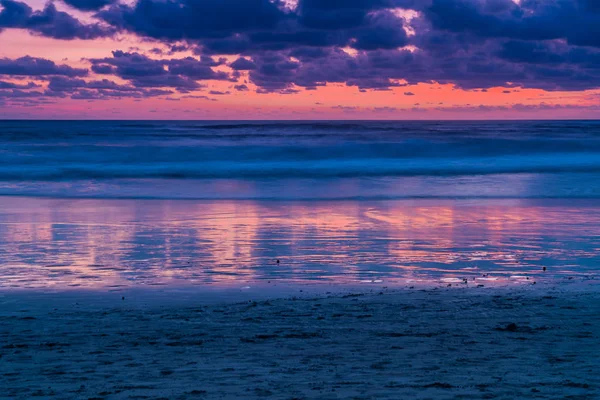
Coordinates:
(171, 295)
(533, 341)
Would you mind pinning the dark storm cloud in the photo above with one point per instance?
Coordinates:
(231, 45)
(383, 30)
(336, 14)
(344, 14)
(239, 26)
(195, 19)
(549, 53)
(577, 21)
(48, 22)
(308, 53)
(89, 5)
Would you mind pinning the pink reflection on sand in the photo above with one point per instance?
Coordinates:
(99, 244)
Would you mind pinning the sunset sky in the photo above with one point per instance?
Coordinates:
(300, 59)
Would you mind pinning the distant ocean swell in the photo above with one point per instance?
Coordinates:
(565, 157)
(312, 168)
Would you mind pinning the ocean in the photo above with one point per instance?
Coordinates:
(100, 204)
(300, 160)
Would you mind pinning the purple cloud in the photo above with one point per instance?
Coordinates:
(181, 74)
(12, 85)
(32, 66)
(243, 64)
(194, 19)
(89, 5)
(473, 44)
(241, 88)
(49, 22)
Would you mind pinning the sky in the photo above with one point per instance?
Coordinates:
(300, 59)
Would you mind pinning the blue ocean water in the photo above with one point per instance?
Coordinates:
(300, 160)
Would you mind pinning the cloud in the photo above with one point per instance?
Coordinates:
(12, 85)
(199, 70)
(106, 94)
(385, 109)
(383, 30)
(239, 26)
(60, 84)
(345, 108)
(32, 66)
(518, 107)
(576, 21)
(343, 14)
(243, 64)
(89, 5)
(474, 44)
(103, 69)
(19, 94)
(142, 71)
(241, 88)
(366, 44)
(76, 88)
(62, 81)
(189, 96)
(194, 19)
(49, 22)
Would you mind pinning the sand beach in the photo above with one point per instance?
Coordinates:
(464, 342)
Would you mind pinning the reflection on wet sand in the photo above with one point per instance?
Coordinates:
(62, 243)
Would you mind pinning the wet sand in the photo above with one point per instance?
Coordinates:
(96, 244)
(534, 341)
